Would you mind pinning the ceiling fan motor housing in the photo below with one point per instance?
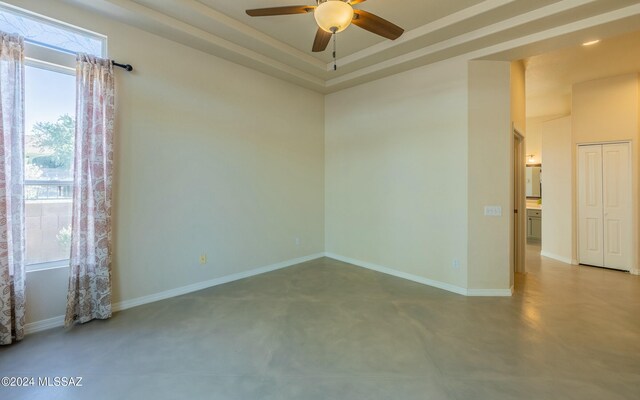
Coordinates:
(333, 16)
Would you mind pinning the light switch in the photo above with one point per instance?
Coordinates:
(493, 211)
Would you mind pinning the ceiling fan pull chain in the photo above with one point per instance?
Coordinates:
(335, 64)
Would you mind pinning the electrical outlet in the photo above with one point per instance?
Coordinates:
(203, 259)
(297, 241)
(456, 264)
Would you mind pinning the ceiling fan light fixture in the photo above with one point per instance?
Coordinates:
(333, 16)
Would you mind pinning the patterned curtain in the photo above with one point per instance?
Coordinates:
(89, 294)
(12, 241)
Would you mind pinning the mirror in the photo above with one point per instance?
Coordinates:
(534, 181)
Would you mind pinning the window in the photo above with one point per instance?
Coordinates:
(50, 86)
(49, 131)
(44, 32)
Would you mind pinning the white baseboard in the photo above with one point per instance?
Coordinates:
(419, 279)
(123, 305)
(635, 272)
(43, 325)
(490, 292)
(58, 321)
(566, 260)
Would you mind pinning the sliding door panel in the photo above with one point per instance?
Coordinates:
(617, 205)
(590, 209)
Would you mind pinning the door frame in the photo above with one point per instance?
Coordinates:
(518, 202)
(576, 205)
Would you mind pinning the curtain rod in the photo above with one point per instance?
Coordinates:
(128, 67)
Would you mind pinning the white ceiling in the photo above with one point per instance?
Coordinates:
(434, 30)
(550, 76)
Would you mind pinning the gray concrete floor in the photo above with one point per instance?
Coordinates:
(328, 330)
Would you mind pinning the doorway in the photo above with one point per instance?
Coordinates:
(519, 207)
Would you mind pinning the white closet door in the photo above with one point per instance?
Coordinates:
(590, 210)
(616, 186)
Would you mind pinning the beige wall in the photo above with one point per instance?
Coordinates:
(490, 174)
(518, 97)
(211, 157)
(396, 172)
(534, 142)
(557, 232)
(46, 293)
(399, 153)
(608, 110)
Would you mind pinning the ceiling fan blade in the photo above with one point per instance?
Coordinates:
(377, 25)
(354, 2)
(265, 12)
(321, 41)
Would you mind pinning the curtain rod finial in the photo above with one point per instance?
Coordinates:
(128, 67)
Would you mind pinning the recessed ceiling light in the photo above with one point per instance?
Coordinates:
(591, 42)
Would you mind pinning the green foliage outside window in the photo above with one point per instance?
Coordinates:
(55, 139)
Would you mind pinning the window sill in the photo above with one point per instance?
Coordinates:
(47, 266)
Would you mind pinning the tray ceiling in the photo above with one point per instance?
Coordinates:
(434, 30)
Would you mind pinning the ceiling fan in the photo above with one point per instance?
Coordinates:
(333, 16)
